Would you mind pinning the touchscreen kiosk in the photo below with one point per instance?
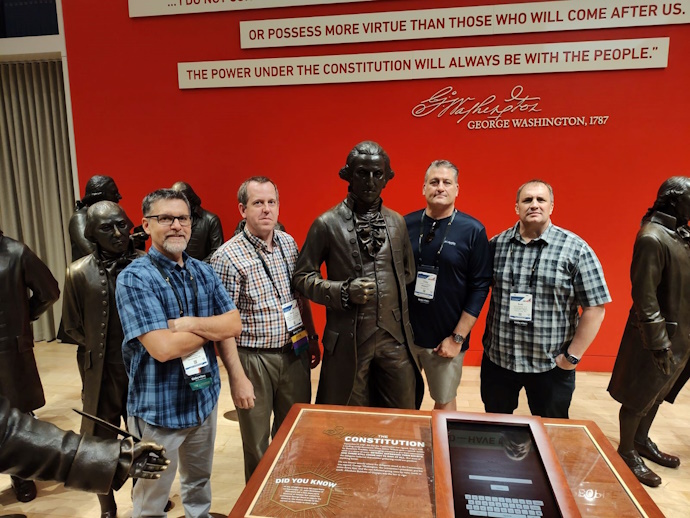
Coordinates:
(497, 466)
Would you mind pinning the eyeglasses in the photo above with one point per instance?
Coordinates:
(167, 220)
(432, 233)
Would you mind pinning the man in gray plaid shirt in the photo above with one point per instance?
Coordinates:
(535, 334)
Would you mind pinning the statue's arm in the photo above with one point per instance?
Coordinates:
(307, 278)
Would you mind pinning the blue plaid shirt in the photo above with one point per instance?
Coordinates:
(158, 392)
(567, 275)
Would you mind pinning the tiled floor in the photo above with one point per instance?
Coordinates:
(57, 366)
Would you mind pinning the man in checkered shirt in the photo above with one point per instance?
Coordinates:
(268, 370)
(535, 334)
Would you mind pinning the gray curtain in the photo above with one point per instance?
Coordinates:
(36, 188)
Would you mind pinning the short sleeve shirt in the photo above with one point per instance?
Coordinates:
(562, 273)
(158, 393)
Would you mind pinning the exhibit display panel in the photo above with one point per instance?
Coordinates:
(331, 461)
(601, 483)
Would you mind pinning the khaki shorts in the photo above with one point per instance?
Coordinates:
(442, 374)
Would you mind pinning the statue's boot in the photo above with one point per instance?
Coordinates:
(648, 449)
(645, 475)
(24, 490)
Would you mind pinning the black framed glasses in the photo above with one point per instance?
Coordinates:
(166, 220)
(432, 232)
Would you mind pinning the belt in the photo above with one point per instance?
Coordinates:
(285, 349)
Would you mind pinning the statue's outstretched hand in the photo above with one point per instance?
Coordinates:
(149, 460)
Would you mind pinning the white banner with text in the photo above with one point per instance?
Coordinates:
(580, 56)
(461, 21)
(139, 8)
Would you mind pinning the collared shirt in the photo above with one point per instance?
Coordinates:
(241, 264)
(565, 275)
(158, 393)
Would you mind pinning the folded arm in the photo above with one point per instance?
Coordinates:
(215, 328)
(187, 334)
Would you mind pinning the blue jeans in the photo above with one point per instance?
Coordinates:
(548, 393)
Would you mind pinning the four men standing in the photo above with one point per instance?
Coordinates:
(547, 305)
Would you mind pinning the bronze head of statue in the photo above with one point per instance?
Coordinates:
(673, 198)
(189, 193)
(99, 188)
(108, 227)
(367, 170)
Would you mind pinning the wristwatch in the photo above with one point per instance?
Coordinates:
(572, 359)
(458, 339)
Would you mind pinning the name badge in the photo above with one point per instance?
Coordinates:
(293, 318)
(195, 369)
(425, 285)
(521, 305)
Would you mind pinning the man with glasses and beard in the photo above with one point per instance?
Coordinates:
(453, 278)
(172, 308)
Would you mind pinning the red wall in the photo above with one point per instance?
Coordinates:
(132, 122)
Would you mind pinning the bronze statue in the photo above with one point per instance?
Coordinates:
(98, 188)
(369, 261)
(90, 317)
(38, 450)
(20, 271)
(655, 347)
(207, 232)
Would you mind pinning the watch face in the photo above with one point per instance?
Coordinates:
(458, 339)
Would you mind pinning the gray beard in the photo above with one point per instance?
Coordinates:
(174, 248)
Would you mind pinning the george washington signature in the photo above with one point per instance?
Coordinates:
(447, 102)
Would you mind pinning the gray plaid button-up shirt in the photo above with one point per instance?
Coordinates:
(562, 273)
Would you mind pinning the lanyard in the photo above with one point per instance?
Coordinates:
(177, 295)
(263, 263)
(535, 265)
(443, 241)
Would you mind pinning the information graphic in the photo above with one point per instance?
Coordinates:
(339, 463)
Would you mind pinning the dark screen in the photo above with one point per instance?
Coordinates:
(497, 462)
